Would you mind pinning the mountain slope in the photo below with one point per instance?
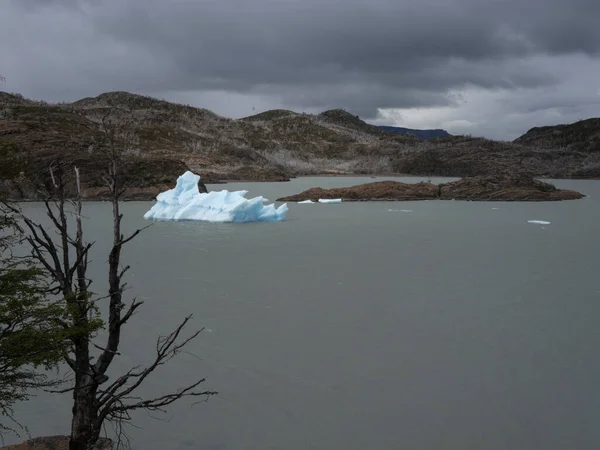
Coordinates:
(467, 156)
(577, 140)
(582, 136)
(269, 146)
(421, 134)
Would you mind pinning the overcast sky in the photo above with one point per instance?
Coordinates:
(491, 68)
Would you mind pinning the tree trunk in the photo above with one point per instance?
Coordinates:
(83, 435)
(85, 410)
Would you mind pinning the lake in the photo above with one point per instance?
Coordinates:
(358, 326)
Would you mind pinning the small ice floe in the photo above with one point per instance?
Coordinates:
(393, 210)
(539, 222)
(406, 210)
(495, 209)
(305, 202)
(330, 200)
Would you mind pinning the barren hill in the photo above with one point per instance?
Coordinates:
(582, 136)
(272, 145)
(580, 140)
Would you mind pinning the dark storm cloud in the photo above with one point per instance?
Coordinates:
(310, 54)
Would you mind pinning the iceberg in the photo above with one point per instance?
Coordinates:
(305, 202)
(185, 202)
(330, 200)
(539, 222)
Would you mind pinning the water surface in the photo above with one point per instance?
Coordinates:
(455, 326)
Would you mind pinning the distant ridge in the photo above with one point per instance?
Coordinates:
(421, 134)
(582, 136)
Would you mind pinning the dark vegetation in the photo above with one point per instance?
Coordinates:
(421, 134)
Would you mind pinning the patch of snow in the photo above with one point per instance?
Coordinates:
(539, 222)
(185, 202)
(330, 200)
(305, 202)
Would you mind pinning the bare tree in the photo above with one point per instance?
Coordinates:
(97, 399)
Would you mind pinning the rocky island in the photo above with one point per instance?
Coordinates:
(55, 443)
(483, 188)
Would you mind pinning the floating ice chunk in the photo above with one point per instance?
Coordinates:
(393, 210)
(495, 208)
(185, 202)
(539, 222)
(406, 210)
(305, 202)
(330, 200)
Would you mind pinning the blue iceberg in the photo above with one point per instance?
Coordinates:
(185, 202)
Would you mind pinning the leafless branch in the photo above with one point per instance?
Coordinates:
(65, 258)
(134, 305)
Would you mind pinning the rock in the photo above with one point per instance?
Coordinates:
(492, 188)
(379, 190)
(506, 189)
(55, 443)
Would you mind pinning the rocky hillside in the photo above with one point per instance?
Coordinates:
(269, 146)
(421, 134)
(164, 139)
(468, 156)
(581, 140)
(582, 136)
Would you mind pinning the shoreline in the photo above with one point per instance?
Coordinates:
(385, 175)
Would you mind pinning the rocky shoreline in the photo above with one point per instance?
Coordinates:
(55, 443)
(491, 188)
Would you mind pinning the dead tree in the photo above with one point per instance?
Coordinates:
(96, 398)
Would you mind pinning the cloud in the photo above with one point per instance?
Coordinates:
(507, 113)
(483, 63)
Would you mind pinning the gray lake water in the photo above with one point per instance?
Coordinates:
(352, 327)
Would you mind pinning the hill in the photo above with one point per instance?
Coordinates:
(580, 138)
(421, 134)
(465, 156)
(163, 139)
